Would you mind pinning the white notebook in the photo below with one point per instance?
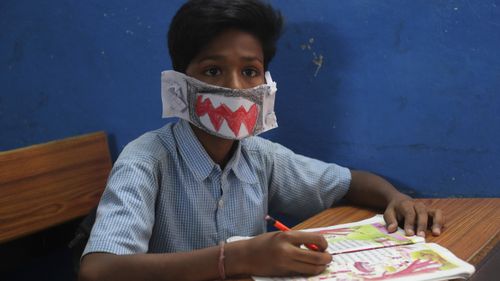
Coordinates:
(364, 250)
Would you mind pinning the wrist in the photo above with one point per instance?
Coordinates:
(236, 261)
(399, 197)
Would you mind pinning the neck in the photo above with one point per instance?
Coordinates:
(219, 149)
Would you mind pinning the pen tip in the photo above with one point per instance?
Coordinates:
(270, 219)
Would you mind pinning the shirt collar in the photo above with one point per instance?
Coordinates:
(240, 165)
(200, 163)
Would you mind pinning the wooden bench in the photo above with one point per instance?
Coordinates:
(48, 184)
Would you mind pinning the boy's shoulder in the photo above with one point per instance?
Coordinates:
(154, 144)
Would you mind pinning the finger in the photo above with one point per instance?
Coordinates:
(301, 237)
(301, 268)
(438, 221)
(422, 217)
(390, 219)
(408, 212)
(311, 257)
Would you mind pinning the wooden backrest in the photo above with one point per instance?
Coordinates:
(48, 184)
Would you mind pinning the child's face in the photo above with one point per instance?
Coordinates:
(234, 59)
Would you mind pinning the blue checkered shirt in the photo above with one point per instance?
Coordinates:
(165, 194)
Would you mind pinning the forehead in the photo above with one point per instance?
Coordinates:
(232, 43)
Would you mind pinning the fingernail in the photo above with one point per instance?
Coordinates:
(410, 232)
(436, 231)
(421, 233)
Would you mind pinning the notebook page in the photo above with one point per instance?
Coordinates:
(363, 235)
(414, 262)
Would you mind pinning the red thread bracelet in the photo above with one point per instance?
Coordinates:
(222, 271)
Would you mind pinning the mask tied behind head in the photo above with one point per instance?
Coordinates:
(223, 112)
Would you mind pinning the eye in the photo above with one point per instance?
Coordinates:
(212, 71)
(250, 72)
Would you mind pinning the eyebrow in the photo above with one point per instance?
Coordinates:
(249, 58)
(221, 57)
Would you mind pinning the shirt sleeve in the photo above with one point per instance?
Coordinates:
(302, 186)
(125, 216)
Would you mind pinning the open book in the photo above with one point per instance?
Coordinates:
(364, 250)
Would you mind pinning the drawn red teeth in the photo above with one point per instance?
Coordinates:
(234, 119)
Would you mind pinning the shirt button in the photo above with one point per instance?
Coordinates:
(221, 203)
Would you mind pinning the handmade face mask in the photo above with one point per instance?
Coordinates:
(223, 112)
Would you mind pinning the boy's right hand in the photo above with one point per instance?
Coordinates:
(279, 254)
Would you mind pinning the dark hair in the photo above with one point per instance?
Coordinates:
(198, 22)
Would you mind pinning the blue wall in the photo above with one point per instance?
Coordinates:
(405, 89)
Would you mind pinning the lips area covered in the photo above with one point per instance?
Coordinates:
(228, 116)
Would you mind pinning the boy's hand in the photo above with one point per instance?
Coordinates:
(414, 216)
(279, 254)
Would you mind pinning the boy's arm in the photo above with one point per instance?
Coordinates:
(370, 190)
(199, 265)
(269, 254)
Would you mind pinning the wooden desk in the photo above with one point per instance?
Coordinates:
(471, 231)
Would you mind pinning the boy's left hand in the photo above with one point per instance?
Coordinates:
(370, 190)
(413, 215)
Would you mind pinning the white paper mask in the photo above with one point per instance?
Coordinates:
(223, 112)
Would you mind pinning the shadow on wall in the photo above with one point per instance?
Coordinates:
(312, 63)
(310, 105)
(113, 147)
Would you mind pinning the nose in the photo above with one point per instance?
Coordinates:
(233, 80)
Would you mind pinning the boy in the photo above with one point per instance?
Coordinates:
(176, 194)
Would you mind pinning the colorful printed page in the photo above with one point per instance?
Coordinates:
(412, 262)
(363, 235)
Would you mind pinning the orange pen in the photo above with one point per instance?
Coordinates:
(283, 227)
